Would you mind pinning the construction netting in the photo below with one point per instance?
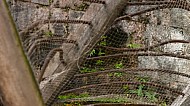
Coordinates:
(141, 58)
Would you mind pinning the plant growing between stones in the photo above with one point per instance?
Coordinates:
(119, 65)
(117, 74)
(96, 52)
(134, 45)
(48, 33)
(103, 41)
(142, 90)
(93, 52)
(87, 70)
(71, 96)
(99, 62)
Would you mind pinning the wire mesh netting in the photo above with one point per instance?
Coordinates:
(142, 58)
(43, 27)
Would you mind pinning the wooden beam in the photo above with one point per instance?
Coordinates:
(17, 82)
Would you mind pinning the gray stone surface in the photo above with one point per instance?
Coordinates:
(43, 2)
(26, 13)
(163, 25)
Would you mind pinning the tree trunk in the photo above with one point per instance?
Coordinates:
(17, 83)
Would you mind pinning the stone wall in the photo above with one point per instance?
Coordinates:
(162, 25)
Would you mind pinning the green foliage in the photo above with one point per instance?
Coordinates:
(112, 100)
(138, 91)
(83, 95)
(71, 95)
(93, 52)
(141, 90)
(116, 74)
(126, 88)
(96, 52)
(99, 62)
(87, 70)
(48, 34)
(151, 96)
(143, 79)
(103, 37)
(163, 104)
(119, 65)
(76, 104)
(100, 53)
(134, 45)
(103, 41)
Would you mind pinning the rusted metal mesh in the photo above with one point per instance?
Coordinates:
(113, 71)
(44, 33)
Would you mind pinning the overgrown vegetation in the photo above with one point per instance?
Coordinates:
(142, 90)
(95, 100)
(72, 95)
(134, 45)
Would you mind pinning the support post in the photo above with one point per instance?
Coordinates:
(18, 86)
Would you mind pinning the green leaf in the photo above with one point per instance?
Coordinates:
(151, 96)
(103, 37)
(139, 91)
(103, 43)
(83, 95)
(93, 52)
(133, 91)
(48, 33)
(100, 53)
(163, 104)
(84, 70)
(110, 74)
(71, 95)
(93, 70)
(126, 87)
(134, 45)
(87, 70)
(68, 96)
(118, 74)
(99, 62)
(118, 65)
(143, 79)
(101, 69)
